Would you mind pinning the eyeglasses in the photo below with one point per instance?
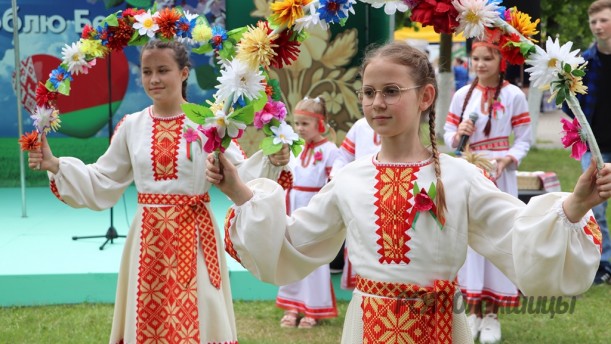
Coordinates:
(391, 94)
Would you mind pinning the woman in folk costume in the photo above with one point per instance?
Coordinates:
(173, 281)
(501, 109)
(312, 296)
(360, 141)
(408, 214)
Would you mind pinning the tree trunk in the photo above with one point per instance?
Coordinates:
(445, 83)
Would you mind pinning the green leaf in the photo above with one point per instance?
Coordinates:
(236, 34)
(268, 147)
(277, 91)
(578, 72)
(566, 67)
(226, 141)
(64, 87)
(267, 130)
(432, 191)
(416, 189)
(203, 49)
(138, 39)
(140, 3)
(197, 113)
(244, 115)
(111, 20)
(297, 146)
(259, 102)
(560, 96)
(49, 86)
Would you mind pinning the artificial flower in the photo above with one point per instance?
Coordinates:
(284, 133)
(238, 79)
(219, 35)
(201, 33)
(45, 119)
(522, 22)
(59, 75)
(44, 97)
(286, 12)
(317, 156)
(167, 19)
(29, 141)
(271, 110)
(184, 27)
(88, 32)
(93, 47)
(256, 47)
(102, 33)
(497, 107)
(474, 16)
(441, 14)
(390, 6)
(311, 20)
(120, 35)
(510, 46)
(214, 141)
(574, 138)
(190, 135)
(225, 125)
(145, 24)
(423, 202)
(287, 50)
(130, 13)
(547, 63)
(74, 58)
(332, 11)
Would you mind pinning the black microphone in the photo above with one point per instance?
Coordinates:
(464, 138)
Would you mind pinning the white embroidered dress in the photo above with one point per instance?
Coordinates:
(313, 295)
(371, 205)
(479, 278)
(173, 281)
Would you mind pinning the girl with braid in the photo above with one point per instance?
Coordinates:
(408, 214)
(501, 109)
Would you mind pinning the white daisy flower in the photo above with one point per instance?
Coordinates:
(547, 63)
(74, 58)
(225, 125)
(474, 16)
(390, 6)
(237, 79)
(190, 16)
(45, 119)
(311, 20)
(145, 24)
(284, 133)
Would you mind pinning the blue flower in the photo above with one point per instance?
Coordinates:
(184, 27)
(102, 33)
(219, 35)
(58, 75)
(332, 11)
(501, 9)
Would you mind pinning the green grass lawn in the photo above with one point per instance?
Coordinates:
(258, 321)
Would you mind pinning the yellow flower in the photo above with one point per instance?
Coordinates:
(522, 22)
(202, 33)
(576, 85)
(256, 47)
(285, 12)
(93, 47)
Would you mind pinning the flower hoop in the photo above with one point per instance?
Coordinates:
(247, 53)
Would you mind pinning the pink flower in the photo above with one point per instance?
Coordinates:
(191, 135)
(423, 201)
(317, 157)
(213, 141)
(573, 136)
(271, 110)
(496, 106)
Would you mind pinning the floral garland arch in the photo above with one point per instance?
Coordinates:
(246, 93)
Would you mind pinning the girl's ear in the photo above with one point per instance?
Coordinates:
(184, 74)
(427, 96)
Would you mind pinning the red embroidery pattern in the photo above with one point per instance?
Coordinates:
(407, 313)
(393, 196)
(54, 190)
(166, 139)
(349, 146)
(228, 244)
(593, 230)
(521, 119)
(493, 144)
(167, 287)
(286, 181)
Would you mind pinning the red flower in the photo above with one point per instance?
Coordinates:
(129, 13)
(423, 201)
(287, 50)
(88, 32)
(440, 14)
(120, 35)
(213, 141)
(573, 137)
(45, 98)
(317, 157)
(29, 141)
(167, 20)
(510, 52)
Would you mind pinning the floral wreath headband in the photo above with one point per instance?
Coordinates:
(245, 91)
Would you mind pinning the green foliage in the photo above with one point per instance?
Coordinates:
(567, 19)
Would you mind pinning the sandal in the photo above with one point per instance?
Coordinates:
(289, 319)
(307, 322)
